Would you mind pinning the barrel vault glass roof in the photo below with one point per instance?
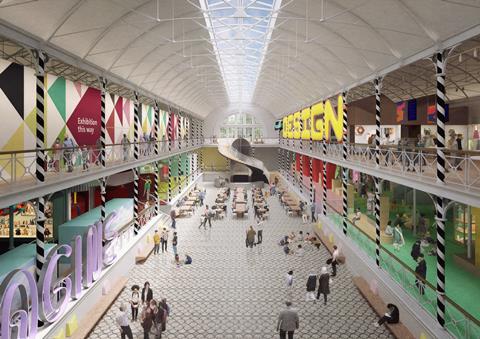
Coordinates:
(240, 31)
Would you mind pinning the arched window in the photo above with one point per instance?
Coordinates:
(242, 125)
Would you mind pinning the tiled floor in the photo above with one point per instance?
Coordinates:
(234, 292)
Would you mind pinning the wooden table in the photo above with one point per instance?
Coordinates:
(189, 203)
(240, 199)
(240, 210)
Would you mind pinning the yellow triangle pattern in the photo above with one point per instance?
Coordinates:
(13, 144)
(31, 120)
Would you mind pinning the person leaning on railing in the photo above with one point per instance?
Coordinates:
(69, 148)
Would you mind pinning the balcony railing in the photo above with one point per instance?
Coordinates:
(462, 167)
(18, 167)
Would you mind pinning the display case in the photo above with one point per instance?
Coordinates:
(24, 223)
(462, 216)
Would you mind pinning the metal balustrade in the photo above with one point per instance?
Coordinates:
(462, 167)
(18, 167)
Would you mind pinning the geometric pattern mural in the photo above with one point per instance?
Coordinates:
(70, 108)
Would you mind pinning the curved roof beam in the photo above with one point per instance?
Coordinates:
(428, 31)
(313, 71)
(111, 26)
(332, 54)
(153, 50)
(303, 90)
(169, 90)
(143, 34)
(341, 37)
(372, 29)
(65, 17)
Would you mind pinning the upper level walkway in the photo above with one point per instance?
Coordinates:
(67, 167)
(409, 166)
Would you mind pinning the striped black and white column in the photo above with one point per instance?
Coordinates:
(136, 154)
(324, 180)
(40, 159)
(156, 185)
(440, 202)
(312, 188)
(103, 136)
(179, 173)
(169, 138)
(377, 83)
(300, 182)
(345, 169)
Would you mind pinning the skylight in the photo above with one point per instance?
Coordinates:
(240, 31)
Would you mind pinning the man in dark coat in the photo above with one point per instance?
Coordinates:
(391, 317)
(416, 250)
(323, 285)
(311, 287)
(421, 271)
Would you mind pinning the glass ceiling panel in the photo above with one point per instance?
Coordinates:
(240, 31)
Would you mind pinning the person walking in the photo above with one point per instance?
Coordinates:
(156, 242)
(289, 284)
(147, 293)
(174, 243)
(135, 301)
(313, 211)
(311, 287)
(421, 271)
(259, 228)
(323, 284)
(125, 146)
(173, 216)
(158, 318)
(122, 322)
(250, 241)
(334, 259)
(288, 321)
(164, 239)
(208, 214)
(147, 320)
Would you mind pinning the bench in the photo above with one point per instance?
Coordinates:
(328, 244)
(143, 255)
(398, 330)
(97, 312)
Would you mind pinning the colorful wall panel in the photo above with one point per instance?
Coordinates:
(70, 108)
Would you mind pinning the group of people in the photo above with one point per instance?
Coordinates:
(161, 239)
(153, 316)
(288, 319)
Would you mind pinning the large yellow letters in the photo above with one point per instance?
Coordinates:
(296, 125)
(316, 123)
(306, 123)
(317, 120)
(290, 125)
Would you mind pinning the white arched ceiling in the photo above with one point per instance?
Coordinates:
(316, 48)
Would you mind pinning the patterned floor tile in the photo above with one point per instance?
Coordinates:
(234, 292)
